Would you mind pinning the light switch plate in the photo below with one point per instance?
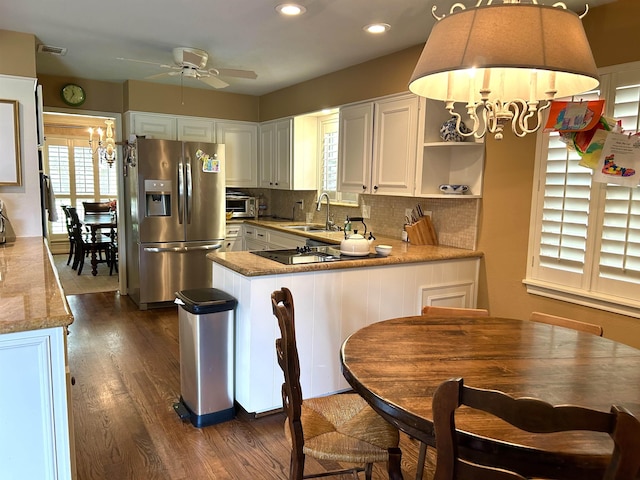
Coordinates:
(366, 211)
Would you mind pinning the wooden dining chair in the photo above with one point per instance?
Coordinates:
(340, 427)
(534, 416)
(566, 322)
(69, 226)
(435, 311)
(83, 244)
(96, 207)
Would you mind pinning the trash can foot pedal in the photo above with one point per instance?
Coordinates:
(182, 411)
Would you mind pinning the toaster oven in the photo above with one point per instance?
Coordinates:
(241, 206)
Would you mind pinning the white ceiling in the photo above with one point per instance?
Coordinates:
(242, 34)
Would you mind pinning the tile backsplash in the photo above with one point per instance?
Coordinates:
(455, 219)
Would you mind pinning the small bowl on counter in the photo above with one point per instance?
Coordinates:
(383, 250)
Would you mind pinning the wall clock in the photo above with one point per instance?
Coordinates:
(73, 95)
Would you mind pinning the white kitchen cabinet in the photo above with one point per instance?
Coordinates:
(276, 151)
(255, 238)
(34, 406)
(288, 153)
(280, 240)
(151, 125)
(241, 152)
(233, 240)
(377, 146)
(195, 129)
(330, 305)
(440, 162)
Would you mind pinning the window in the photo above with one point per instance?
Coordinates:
(76, 177)
(328, 165)
(585, 236)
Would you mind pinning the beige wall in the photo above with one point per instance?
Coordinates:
(382, 76)
(198, 102)
(18, 54)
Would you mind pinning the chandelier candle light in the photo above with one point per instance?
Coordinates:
(507, 62)
(106, 151)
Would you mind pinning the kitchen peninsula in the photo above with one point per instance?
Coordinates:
(36, 439)
(332, 300)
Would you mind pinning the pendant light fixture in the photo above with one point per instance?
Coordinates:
(506, 62)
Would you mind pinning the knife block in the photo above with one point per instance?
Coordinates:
(422, 232)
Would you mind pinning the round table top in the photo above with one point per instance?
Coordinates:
(397, 364)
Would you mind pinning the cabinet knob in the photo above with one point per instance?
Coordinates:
(364, 187)
(375, 187)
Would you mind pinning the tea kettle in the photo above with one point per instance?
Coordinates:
(355, 244)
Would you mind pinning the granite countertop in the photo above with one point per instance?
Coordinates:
(251, 265)
(31, 296)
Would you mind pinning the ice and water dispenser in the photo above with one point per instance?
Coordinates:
(158, 198)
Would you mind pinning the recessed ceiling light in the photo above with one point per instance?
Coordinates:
(377, 28)
(290, 9)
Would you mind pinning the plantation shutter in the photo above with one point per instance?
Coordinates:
(620, 248)
(565, 212)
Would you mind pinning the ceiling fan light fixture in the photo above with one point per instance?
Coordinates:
(377, 28)
(290, 9)
(506, 63)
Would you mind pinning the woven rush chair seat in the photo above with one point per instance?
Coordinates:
(339, 427)
(344, 428)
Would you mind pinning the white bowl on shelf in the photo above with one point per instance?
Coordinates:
(383, 250)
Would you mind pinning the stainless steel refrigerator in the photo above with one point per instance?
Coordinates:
(176, 193)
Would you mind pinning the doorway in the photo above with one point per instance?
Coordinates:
(76, 172)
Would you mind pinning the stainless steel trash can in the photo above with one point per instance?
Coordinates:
(206, 328)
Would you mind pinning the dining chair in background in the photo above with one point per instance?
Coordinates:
(435, 311)
(566, 322)
(69, 226)
(340, 427)
(83, 244)
(534, 416)
(96, 207)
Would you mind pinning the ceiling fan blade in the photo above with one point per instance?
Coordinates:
(214, 82)
(162, 65)
(232, 72)
(159, 75)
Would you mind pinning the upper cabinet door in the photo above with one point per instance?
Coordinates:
(241, 152)
(196, 130)
(283, 155)
(267, 153)
(355, 148)
(163, 127)
(395, 146)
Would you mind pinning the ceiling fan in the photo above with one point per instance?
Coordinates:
(191, 63)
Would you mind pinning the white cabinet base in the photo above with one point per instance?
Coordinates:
(34, 415)
(330, 305)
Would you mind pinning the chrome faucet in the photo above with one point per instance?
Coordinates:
(328, 224)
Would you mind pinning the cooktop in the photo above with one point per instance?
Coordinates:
(306, 254)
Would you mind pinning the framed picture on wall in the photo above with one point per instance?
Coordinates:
(10, 173)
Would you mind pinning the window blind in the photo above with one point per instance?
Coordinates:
(565, 213)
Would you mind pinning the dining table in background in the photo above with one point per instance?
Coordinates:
(95, 222)
(397, 364)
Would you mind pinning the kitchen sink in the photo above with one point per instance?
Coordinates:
(306, 228)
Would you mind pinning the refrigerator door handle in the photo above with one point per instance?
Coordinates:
(189, 190)
(180, 192)
(182, 249)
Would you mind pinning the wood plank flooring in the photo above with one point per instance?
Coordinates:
(127, 376)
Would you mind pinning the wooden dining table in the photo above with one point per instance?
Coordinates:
(396, 365)
(95, 222)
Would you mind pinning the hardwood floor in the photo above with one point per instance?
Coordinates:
(127, 376)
